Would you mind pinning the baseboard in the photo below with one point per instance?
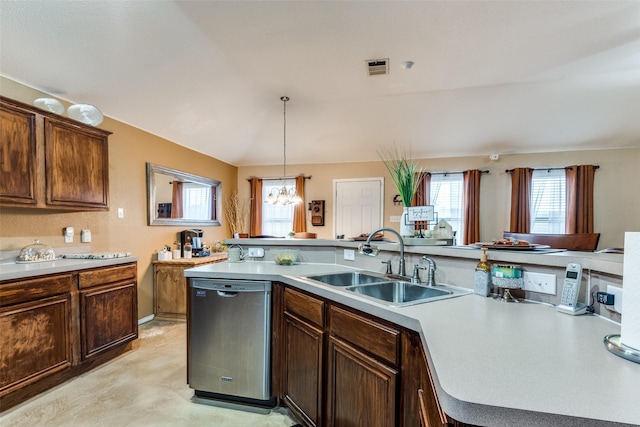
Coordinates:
(146, 319)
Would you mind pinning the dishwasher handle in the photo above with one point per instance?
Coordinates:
(227, 294)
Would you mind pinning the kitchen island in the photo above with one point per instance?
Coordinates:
(493, 363)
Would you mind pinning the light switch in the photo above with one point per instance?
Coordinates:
(85, 236)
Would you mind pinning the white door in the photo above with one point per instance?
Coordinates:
(358, 205)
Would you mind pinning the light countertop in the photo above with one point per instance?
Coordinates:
(609, 263)
(10, 270)
(494, 363)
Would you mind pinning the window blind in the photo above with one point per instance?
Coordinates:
(548, 201)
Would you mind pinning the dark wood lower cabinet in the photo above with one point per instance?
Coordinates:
(337, 367)
(303, 369)
(59, 326)
(417, 376)
(36, 341)
(109, 318)
(361, 391)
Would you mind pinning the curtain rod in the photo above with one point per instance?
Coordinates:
(550, 169)
(278, 178)
(451, 173)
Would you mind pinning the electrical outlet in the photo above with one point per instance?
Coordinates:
(68, 233)
(540, 282)
(120, 212)
(349, 255)
(394, 218)
(256, 252)
(617, 298)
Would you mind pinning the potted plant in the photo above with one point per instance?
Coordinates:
(404, 172)
(235, 211)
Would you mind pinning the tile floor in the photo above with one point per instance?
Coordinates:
(143, 387)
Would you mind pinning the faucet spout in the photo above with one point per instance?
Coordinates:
(401, 271)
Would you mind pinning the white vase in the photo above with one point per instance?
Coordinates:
(406, 229)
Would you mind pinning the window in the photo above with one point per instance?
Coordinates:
(276, 220)
(446, 193)
(548, 201)
(196, 201)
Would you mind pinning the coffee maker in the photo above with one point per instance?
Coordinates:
(193, 236)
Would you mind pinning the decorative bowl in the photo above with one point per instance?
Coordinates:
(286, 256)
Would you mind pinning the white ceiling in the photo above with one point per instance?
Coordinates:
(489, 77)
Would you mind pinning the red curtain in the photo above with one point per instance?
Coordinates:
(579, 213)
(176, 200)
(521, 200)
(255, 216)
(299, 213)
(471, 206)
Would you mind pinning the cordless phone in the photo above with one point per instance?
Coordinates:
(570, 289)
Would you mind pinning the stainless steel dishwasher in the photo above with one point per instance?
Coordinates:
(229, 336)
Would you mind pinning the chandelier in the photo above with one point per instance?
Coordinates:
(283, 195)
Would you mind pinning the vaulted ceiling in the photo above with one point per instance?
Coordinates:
(488, 76)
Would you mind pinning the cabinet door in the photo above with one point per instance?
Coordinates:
(361, 391)
(417, 376)
(109, 317)
(77, 166)
(18, 160)
(303, 369)
(35, 341)
(302, 355)
(170, 291)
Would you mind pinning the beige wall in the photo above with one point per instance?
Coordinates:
(617, 201)
(129, 150)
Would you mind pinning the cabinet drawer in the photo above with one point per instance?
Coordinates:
(304, 306)
(380, 340)
(32, 289)
(106, 275)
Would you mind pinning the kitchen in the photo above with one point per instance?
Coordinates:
(130, 148)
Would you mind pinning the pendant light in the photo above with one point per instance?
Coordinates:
(283, 195)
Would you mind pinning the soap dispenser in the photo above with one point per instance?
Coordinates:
(483, 276)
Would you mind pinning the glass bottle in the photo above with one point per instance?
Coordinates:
(482, 282)
(188, 249)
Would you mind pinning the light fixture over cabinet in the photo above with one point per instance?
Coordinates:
(283, 195)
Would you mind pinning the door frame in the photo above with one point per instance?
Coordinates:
(379, 179)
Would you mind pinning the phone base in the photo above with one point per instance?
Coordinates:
(574, 311)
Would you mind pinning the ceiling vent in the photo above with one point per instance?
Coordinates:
(378, 67)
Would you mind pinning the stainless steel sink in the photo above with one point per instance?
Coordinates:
(388, 290)
(400, 294)
(351, 278)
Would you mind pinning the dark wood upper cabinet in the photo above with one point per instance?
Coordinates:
(50, 161)
(18, 156)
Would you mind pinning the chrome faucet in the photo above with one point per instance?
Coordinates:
(431, 275)
(367, 250)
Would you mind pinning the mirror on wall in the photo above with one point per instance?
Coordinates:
(180, 198)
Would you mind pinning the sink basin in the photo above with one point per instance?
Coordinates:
(351, 278)
(399, 293)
